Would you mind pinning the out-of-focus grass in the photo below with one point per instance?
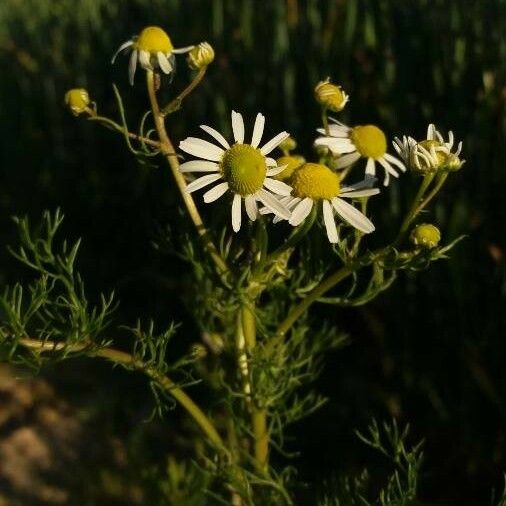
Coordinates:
(431, 351)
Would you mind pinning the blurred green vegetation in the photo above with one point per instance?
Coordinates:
(430, 351)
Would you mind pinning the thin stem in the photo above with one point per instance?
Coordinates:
(325, 121)
(121, 357)
(168, 150)
(115, 126)
(258, 415)
(175, 104)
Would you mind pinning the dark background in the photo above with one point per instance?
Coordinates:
(430, 351)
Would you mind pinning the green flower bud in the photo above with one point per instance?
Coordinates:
(200, 56)
(330, 96)
(425, 236)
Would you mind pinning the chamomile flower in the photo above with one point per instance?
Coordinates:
(242, 169)
(152, 48)
(433, 154)
(364, 141)
(313, 183)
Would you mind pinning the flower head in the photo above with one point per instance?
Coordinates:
(425, 236)
(291, 163)
(314, 183)
(330, 96)
(430, 155)
(152, 48)
(200, 56)
(364, 141)
(243, 169)
(78, 100)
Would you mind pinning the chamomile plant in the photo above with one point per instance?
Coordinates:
(295, 232)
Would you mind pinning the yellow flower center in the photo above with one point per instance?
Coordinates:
(292, 162)
(153, 39)
(370, 141)
(315, 181)
(244, 169)
(77, 99)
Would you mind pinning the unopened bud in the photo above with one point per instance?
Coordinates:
(289, 144)
(331, 96)
(200, 56)
(77, 100)
(425, 236)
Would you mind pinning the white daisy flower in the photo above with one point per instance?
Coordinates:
(314, 182)
(241, 168)
(432, 154)
(153, 49)
(366, 141)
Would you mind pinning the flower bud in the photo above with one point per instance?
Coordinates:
(292, 163)
(425, 236)
(77, 100)
(198, 351)
(289, 144)
(200, 56)
(330, 96)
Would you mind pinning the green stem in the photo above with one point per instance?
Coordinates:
(121, 357)
(168, 150)
(325, 121)
(258, 415)
(175, 104)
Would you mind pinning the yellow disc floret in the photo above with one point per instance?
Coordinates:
(78, 100)
(315, 181)
(153, 40)
(244, 169)
(292, 162)
(370, 141)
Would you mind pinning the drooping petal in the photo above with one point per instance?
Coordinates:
(202, 149)
(216, 135)
(250, 204)
(236, 213)
(258, 130)
(238, 127)
(370, 168)
(359, 193)
(123, 46)
(301, 211)
(199, 166)
(270, 201)
(352, 215)
(215, 193)
(132, 66)
(277, 187)
(347, 160)
(274, 143)
(202, 182)
(164, 63)
(144, 60)
(395, 161)
(330, 222)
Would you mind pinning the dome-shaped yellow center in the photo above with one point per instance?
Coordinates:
(369, 140)
(153, 39)
(244, 169)
(292, 162)
(77, 99)
(315, 181)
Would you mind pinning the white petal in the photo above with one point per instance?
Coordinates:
(144, 60)
(360, 193)
(123, 46)
(215, 193)
(274, 143)
(347, 160)
(330, 222)
(336, 145)
(202, 182)
(388, 169)
(276, 170)
(335, 131)
(352, 215)
(395, 161)
(367, 182)
(199, 166)
(277, 187)
(431, 132)
(301, 211)
(270, 162)
(217, 136)
(258, 130)
(370, 168)
(238, 127)
(270, 201)
(251, 207)
(451, 139)
(182, 50)
(236, 213)
(201, 148)
(132, 66)
(164, 63)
